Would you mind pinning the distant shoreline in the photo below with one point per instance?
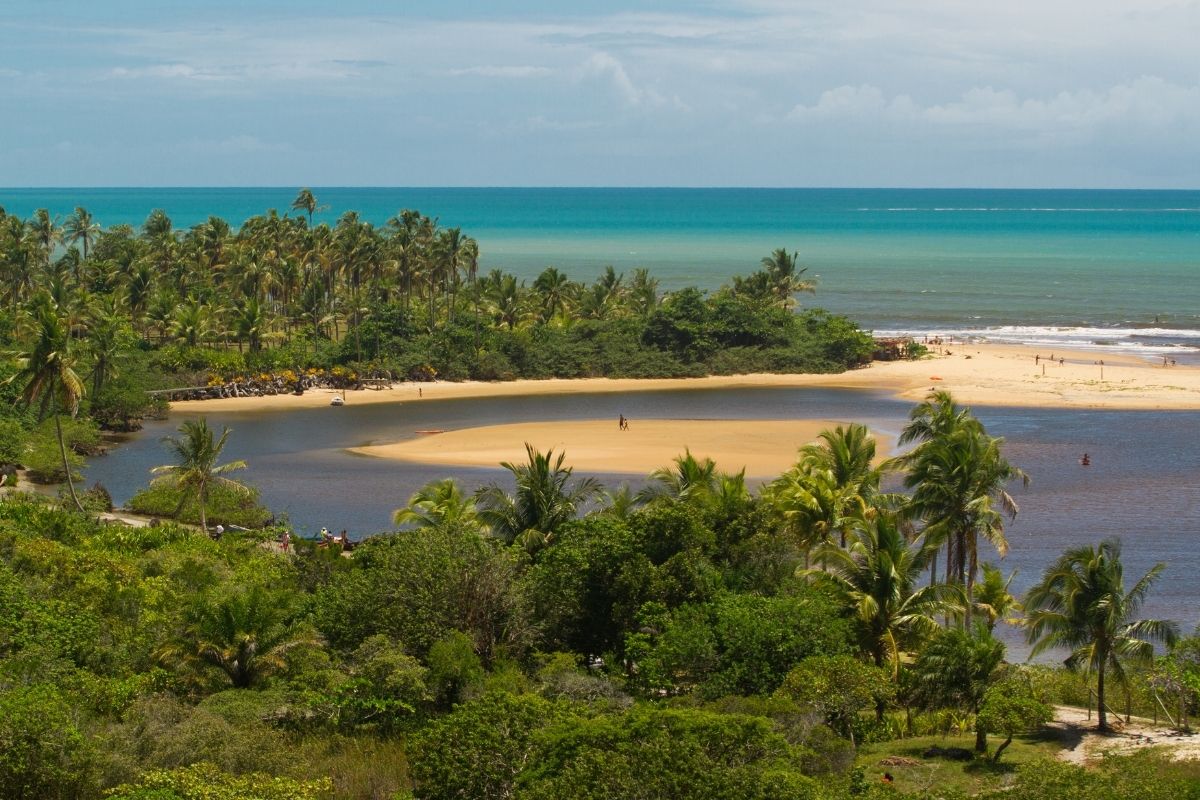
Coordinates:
(976, 374)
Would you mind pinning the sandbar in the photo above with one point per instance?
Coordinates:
(764, 448)
(977, 374)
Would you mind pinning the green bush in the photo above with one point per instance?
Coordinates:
(207, 782)
(44, 458)
(225, 506)
(43, 754)
(13, 440)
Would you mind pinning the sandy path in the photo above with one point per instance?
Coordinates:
(1000, 375)
(1084, 744)
(764, 448)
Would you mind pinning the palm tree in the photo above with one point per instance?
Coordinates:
(956, 668)
(691, 478)
(107, 333)
(814, 509)
(245, 634)
(937, 415)
(784, 279)
(544, 500)
(47, 371)
(437, 504)
(197, 471)
(992, 598)
(251, 322)
(305, 201)
(877, 575)
(1081, 604)
(960, 480)
(44, 234)
(554, 291)
(81, 227)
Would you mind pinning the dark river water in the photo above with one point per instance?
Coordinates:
(1143, 484)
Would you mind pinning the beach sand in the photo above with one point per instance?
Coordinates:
(765, 448)
(976, 374)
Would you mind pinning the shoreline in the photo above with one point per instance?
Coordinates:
(975, 373)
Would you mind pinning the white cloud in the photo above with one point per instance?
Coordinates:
(170, 72)
(1065, 80)
(1147, 101)
(496, 71)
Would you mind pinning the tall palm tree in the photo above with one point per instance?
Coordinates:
(785, 279)
(814, 509)
(544, 500)
(306, 202)
(47, 372)
(437, 504)
(246, 634)
(877, 575)
(1081, 604)
(960, 489)
(45, 234)
(960, 479)
(198, 471)
(81, 228)
(107, 334)
(937, 415)
(554, 291)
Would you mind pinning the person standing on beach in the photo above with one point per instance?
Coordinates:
(620, 422)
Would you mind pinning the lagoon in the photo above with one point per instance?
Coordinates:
(1143, 484)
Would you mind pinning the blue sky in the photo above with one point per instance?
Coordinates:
(1104, 93)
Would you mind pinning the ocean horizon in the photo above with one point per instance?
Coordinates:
(1109, 270)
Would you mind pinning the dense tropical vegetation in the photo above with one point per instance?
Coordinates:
(692, 637)
(550, 640)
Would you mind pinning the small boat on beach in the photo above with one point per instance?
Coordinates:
(337, 401)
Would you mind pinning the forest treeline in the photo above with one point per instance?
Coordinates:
(95, 318)
(550, 637)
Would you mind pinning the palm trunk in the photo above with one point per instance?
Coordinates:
(62, 449)
(1100, 696)
(970, 586)
(203, 516)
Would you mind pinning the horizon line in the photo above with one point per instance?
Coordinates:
(600, 187)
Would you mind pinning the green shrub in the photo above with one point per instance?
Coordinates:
(44, 458)
(43, 754)
(207, 782)
(225, 505)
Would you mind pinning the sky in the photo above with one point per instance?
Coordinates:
(923, 93)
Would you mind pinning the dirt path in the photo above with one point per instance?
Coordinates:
(1083, 744)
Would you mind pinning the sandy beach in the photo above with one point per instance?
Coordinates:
(764, 448)
(977, 374)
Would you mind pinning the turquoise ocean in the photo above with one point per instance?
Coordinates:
(1093, 269)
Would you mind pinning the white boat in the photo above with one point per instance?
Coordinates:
(337, 401)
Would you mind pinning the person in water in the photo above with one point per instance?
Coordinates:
(1085, 461)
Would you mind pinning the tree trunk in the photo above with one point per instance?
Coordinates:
(1100, 697)
(1000, 749)
(62, 449)
(980, 739)
(203, 516)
